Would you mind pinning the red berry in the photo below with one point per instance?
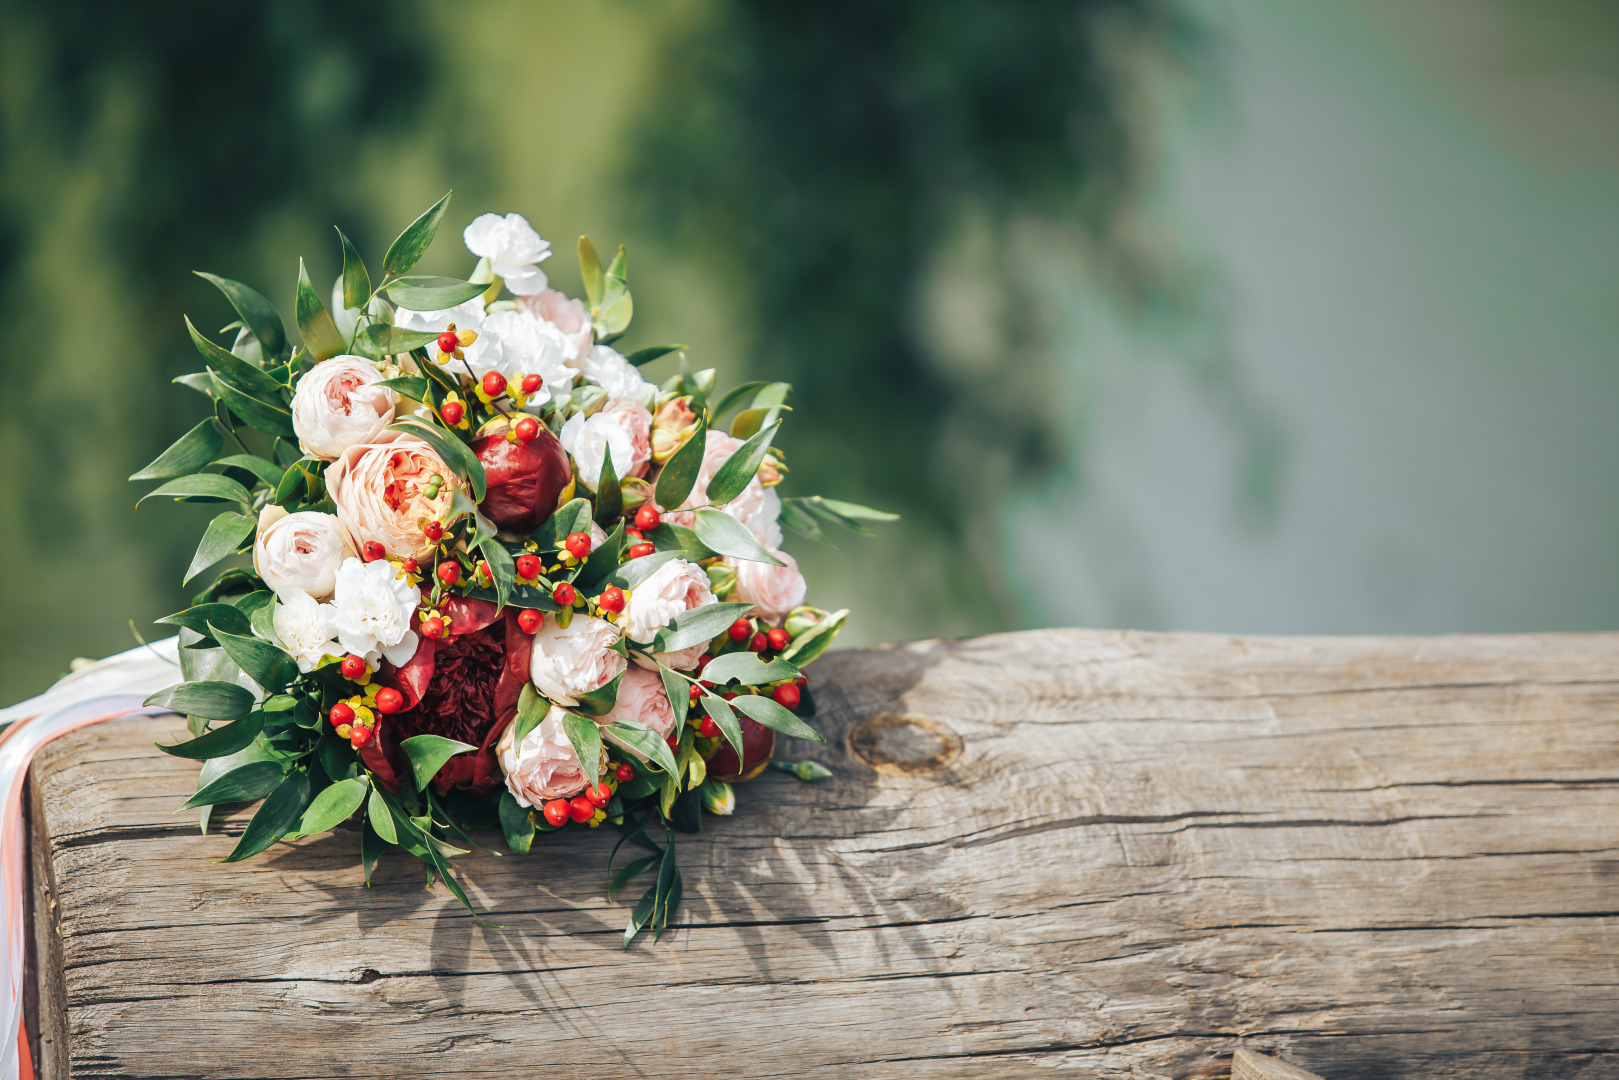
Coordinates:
(625, 773)
(565, 594)
(647, 517)
(786, 696)
(599, 795)
(528, 566)
(494, 384)
(342, 714)
(373, 551)
(453, 412)
(801, 682)
(740, 630)
(449, 572)
(528, 429)
(696, 693)
(639, 550)
(779, 639)
(611, 599)
(447, 342)
(634, 534)
(708, 727)
(433, 627)
(532, 383)
(433, 530)
(529, 620)
(706, 685)
(409, 566)
(389, 700)
(702, 662)
(759, 643)
(556, 812)
(673, 741)
(352, 667)
(360, 736)
(581, 809)
(483, 571)
(578, 544)
(729, 695)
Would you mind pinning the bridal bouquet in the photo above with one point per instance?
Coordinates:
(498, 577)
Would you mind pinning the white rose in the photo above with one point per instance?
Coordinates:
(531, 346)
(774, 590)
(623, 428)
(565, 663)
(608, 369)
(305, 628)
(338, 403)
(373, 606)
(483, 356)
(672, 589)
(513, 248)
(300, 552)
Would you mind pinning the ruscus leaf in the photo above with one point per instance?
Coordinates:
(428, 753)
(408, 248)
(314, 323)
(189, 453)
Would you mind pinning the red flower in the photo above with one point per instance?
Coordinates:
(525, 478)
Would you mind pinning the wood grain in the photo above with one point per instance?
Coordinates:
(1110, 855)
(1247, 1065)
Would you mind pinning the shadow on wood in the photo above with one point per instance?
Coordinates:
(1246, 1065)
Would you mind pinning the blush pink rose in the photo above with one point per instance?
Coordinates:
(773, 590)
(300, 552)
(545, 766)
(672, 589)
(570, 317)
(380, 488)
(636, 421)
(757, 507)
(641, 700)
(338, 404)
(568, 661)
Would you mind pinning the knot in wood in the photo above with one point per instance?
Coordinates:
(902, 745)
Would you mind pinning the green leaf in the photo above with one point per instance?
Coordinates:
(587, 741)
(636, 571)
(609, 497)
(600, 701)
(376, 812)
(384, 340)
(267, 471)
(531, 710)
(731, 399)
(775, 716)
(728, 536)
(602, 561)
(223, 536)
(747, 669)
(697, 625)
(202, 486)
(220, 742)
(428, 753)
(264, 663)
(291, 484)
(644, 741)
(189, 453)
(411, 244)
(573, 516)
(254, 780)
(642, 357)
(630, 870)
(279, 814)
(432, 293)
(266, 416)
(812, 643)
(722, 714)
(590, 268)
(806, 770)
(617, 306)
(679, 692)
(356, 279)
(215, 700)
(319, 331)
(800, 522)
(198, 381)
(249, 378)
(680, 471)
(516, 823)
(372, 848)
(455, 453)
(411, 386)
(668, 891)
(641, 915)
(200, 616)
(501, 569)
(854, 510)
(335, 804)
(258, 313)
(681, 539)
(738, 470)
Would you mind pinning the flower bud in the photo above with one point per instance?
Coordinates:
(705, 381)
(672, 425)
(722, 579)
(801, 620)
(719, 797)
(588, 399)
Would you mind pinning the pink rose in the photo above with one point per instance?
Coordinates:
(338, 403)
(567, 662)
(757, 507)
(672, 589)
(570, 317)
(545, 766)
(641, 700)
(300, 552)
(380, 488)
(774, 590)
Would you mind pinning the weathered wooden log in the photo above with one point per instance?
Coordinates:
(1247, 1065)
(1109, 854)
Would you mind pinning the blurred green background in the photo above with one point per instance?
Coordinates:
(1278, 316)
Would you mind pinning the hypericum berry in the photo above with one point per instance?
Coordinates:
(531, 383)
(352, 667)
(565, 594)
(647, 517)
(389, 701)
(433, 627)
(359, 735)
(642, 549)
(528, 566)
(494, 384)
(740, 630)
(373, 551)
(556, 812)
(599, 795)
(529, 620)
(706, 685)
(449, 572)
(625, 773)
(447, 342)
(433, 530)
(342, 713)
(578, 544)
(611, 599)
(759, 643)
(708, 727)
(786, 696)
(634, 534)
(527, 429)
(729, 695)
(673, 740)
(453, 412)
(484, 573)
(702, 662)
(409, 566)
(779, 639)
(801, 682)
(581, 809)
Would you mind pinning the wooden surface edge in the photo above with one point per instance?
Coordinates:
(1247, 1065)
(44, 991)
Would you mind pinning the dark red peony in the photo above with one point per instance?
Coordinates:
(525, 479)
(758, 743)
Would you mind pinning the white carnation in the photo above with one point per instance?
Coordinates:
(588, 442)
(607, 368)
(567, 662)
(513, 248)
(373, 606)
(531, 346)
(305, 627)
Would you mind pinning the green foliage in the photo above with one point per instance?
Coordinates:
(202, 486)
(275, 818)
(335, 804)
(586, 739)
(455, 453)
(408, 248)
(728, 536)
(680, 471)
(772, 715)
(811, 644)
(224, 535)
(431, 293)
(245, 783)
(747, 669)
(735, 473)
(314, 323)
(215, 700)
(257, 313)
(356, 279)
(806, 770)
(221, 742)
(697, 625)
(428, 753)
(189, 453)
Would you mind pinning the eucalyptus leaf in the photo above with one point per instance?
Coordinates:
(697, 625)
(223, 536)
(202, 486)
(680, 471)
(428, 753)
(773, 715)
(728, 536)
(636, 571)
(408, 248)
(258, 313)
(644, 741)
(334, 805)
(189, 453)
(746, 668)
(314, 323)
(215, 700)
(275, 818)
(738, 470)
(501, 569)
(245, 783)
(679, 693)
